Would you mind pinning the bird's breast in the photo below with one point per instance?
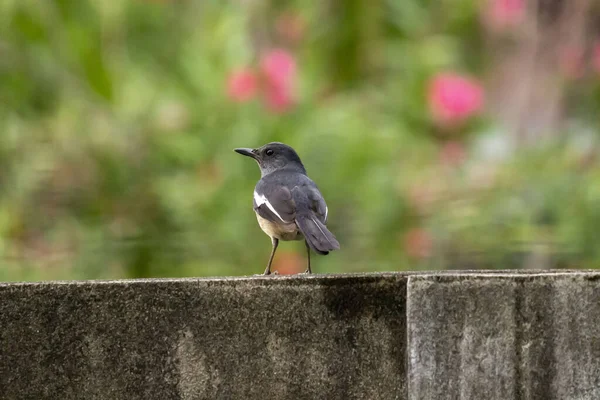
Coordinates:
(280, 230)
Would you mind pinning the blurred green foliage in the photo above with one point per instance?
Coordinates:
(117, 135)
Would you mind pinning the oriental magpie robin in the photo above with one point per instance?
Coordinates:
(287, 203)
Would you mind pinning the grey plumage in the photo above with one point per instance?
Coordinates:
(288, 204)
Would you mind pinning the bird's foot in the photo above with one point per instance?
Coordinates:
(267, 273)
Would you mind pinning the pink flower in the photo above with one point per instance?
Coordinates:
(596, 58)
(242, 85)
(571, 62)
(279, 71)
(418, 243)
(275, 81)
(278, 100)
(279, 68)
(452, 154)
(502, 14)
(454, 98)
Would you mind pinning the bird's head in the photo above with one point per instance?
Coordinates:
(274, 156)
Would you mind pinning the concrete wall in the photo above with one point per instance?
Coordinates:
(381, 336)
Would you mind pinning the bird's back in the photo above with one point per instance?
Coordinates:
(305, 194)
(287, 177)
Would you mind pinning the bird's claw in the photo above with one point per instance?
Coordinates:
(267, 273)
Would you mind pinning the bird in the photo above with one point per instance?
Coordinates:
(287, 203)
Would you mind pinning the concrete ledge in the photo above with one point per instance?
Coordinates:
(452, 335)
(321, 337)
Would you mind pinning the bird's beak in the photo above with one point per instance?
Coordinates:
(247, 152)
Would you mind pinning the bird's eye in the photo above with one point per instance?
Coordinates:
(269, 152)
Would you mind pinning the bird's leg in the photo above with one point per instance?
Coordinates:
(308, 270)
(275, 243)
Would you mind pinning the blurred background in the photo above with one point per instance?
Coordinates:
(443, 134)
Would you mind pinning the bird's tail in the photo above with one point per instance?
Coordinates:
(316, 234)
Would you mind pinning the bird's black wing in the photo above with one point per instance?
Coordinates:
(311, 218)
(278, 197)
(317, 203)
(274, 203)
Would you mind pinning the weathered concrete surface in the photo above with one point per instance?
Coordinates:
(317, 337)
(453, 335)
(504, 336)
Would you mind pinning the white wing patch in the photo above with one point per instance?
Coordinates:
(326, 212)
(261, 199)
